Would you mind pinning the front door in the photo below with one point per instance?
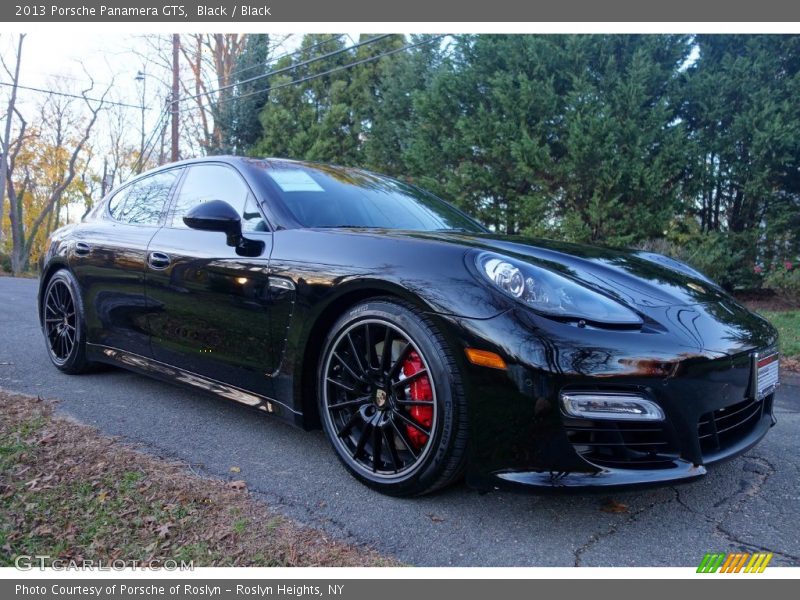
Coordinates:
(210, 306)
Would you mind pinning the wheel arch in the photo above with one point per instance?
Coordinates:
(50, 270)
(311, 346)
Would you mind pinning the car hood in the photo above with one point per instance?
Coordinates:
(668, 294)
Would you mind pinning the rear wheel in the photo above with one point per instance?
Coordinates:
(63, 324)
(392, 400)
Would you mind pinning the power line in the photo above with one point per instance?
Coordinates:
(289, 68)
(335, 69)
(158, 131)
(54, 93)
(274, 59)
(165, 112)
(160, 122)
(142, 159)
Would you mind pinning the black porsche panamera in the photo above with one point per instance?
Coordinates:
(425, 346)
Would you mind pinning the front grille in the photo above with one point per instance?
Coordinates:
(724, 427)
(622, 444)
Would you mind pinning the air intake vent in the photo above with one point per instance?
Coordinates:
(622, 444)
(725, 426)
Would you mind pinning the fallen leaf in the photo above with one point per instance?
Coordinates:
(237, 485)
(163, 531)
(612, 506)
(236, 469)
(48, 438)
(435, 518)
(102, 496)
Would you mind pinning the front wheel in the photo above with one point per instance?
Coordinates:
(392, 399)
(63, 324)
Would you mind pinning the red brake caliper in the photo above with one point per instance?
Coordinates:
(420, 390)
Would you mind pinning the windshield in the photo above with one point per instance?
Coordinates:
(326, 196)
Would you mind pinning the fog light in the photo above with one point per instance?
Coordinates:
(608, 405)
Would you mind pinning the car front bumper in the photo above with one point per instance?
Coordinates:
(521, 439)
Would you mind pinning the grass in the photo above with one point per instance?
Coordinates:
(788, 324)
(69, 492)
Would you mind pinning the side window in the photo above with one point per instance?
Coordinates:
(116, 203)
(210, 182)
(147, 197)
(251, 217)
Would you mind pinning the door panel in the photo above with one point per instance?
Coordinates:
(108, 259)
(210, 308)
(109, 265)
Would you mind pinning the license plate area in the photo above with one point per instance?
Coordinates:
(766, 373)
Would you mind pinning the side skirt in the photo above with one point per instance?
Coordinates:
(169, 373)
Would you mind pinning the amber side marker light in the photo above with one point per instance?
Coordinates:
(484, 358)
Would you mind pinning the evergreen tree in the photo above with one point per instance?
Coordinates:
(609, 139)
(245, 128)
(744, 122)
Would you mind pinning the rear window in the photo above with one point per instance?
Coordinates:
(143, 201)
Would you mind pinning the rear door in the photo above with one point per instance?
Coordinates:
(211, 306)
(109, 262)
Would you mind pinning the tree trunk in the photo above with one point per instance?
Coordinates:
(7, 137)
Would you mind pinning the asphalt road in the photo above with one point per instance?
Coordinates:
(749, 504)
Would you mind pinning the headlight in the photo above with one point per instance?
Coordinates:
(550, 293)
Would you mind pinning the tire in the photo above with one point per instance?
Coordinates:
(401, 438)
(63, 324)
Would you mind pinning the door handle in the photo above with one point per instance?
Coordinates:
(82, 248)
(158, 260)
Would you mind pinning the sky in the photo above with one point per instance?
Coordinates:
(65, 62)
(47, 57)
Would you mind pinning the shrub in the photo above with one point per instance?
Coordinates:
(723, 257)
(783, 278)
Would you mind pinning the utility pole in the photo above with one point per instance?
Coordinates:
(104, 184)
(162, 153)
(141, 77)
(176, 43)
(7, 137)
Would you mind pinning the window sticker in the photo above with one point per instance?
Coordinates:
(294, 180)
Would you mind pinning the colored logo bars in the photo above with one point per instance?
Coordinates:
(714, 562)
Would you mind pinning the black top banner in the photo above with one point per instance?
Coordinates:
(449, 11)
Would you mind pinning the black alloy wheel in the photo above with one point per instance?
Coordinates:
(391, 399)
(62, 323)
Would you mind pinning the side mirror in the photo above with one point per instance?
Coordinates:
(217, 215)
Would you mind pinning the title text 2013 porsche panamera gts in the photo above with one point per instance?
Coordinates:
(425, 346)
